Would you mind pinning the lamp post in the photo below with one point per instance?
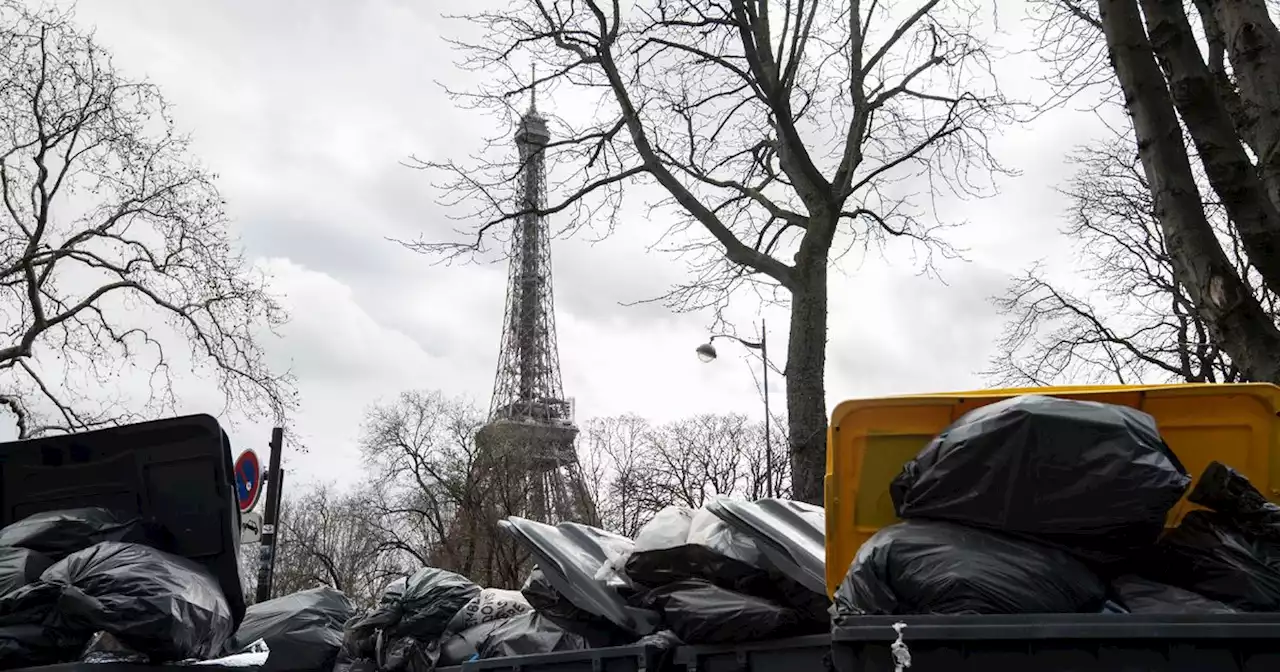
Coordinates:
(707, 353)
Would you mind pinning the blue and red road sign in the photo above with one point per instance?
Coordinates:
(248, 471)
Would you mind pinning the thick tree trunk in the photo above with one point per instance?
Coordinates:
(1238, 322)
(1253, 47)
(1229, 169)
(806, 384)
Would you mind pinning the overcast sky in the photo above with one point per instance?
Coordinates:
(306, 109)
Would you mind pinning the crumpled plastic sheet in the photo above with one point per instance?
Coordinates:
(571, 557)
(791, 536)
(681, 544)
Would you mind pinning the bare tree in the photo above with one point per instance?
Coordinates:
(781, 134)
(612, 452)
(691, 461)
(439, 499)
(644, 468)
(331, 538)
(107, 225)
(1226, 106)
(1136, 322)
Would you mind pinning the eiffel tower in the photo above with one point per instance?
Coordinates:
(526, 452)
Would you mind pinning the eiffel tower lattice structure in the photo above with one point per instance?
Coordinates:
(526, 449)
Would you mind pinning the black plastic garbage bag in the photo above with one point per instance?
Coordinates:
(533, 633)
(20, 566)
(360, 632)
(1228, 492)
(431, 599)
(1209, 554)
(58, 534)
(543, 597)
(1093, 478)
(403, 633)
(926, 567)
(1143, 596)
(699, 612)
(157, 604)
(303, 631)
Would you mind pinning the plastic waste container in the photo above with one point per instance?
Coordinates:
(1062, 642)
(869, 440)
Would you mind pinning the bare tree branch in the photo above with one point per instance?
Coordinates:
(773, 151)
(108, 230)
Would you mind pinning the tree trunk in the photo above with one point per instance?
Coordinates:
(1237, 321)
(1253, 47)
(806, 384)
(1228, 167)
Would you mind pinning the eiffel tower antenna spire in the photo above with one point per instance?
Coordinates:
(533, 89)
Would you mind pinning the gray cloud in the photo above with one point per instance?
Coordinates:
(306, 110)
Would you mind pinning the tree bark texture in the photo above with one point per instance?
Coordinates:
(1208, 121)
(1232, 312)
(806, 384)
(1253, 48)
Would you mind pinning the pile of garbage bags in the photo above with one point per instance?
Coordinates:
(74, 583)
(1038, 504)
(96, 586)
(691, 576)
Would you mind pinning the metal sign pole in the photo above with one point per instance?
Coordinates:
(267, 549)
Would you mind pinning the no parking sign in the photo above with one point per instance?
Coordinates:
(248, 472)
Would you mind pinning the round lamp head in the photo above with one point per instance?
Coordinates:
(706, 352)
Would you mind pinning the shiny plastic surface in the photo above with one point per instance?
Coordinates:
(869, 441)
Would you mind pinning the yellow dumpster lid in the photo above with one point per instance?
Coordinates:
(869, 440)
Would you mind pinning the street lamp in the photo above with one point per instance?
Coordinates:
(707, 353)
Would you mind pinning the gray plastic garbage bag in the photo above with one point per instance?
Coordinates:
(681, 544)
(577, 563)
(60, 533)
(1095, 479)
(303, 631)
(460, 647)
(20, 566)
(160, 605)
(925, 567)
